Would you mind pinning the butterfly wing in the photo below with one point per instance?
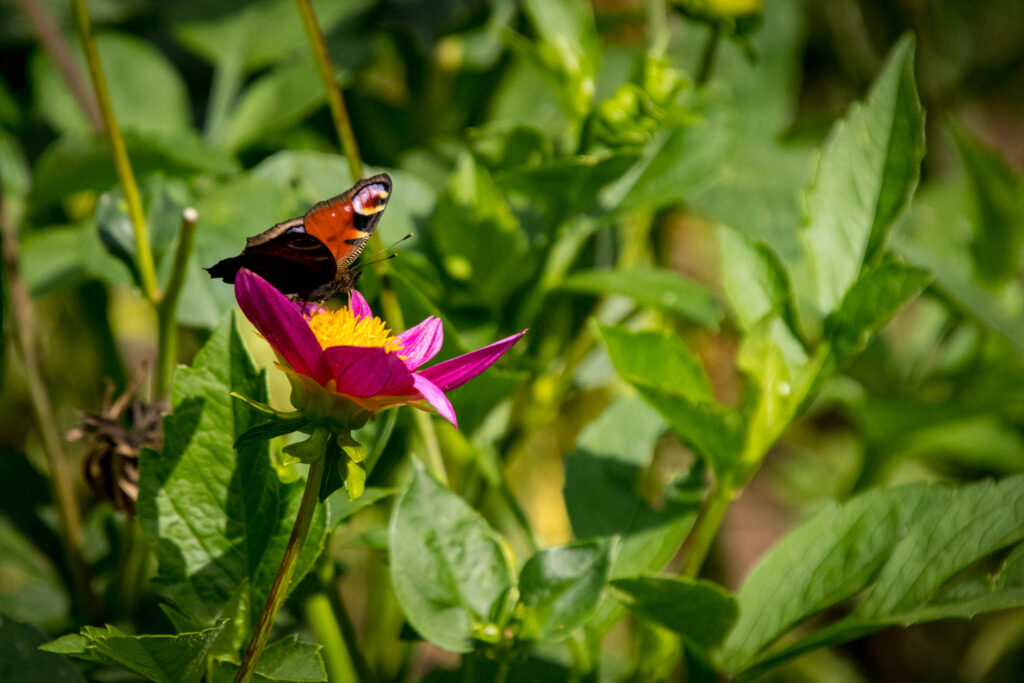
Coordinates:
(344, 223)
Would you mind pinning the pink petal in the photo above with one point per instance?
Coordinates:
(357, 304)
(368, 371)
(457, 371)
(281, 324)
(436, 398)
(422, 342)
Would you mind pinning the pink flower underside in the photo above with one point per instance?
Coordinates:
(373, 377)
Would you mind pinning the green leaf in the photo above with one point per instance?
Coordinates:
(560, 588)
(32, 590)
(671, 379)
(471, 206)
(21, 660)
(450, 571)
(61, 257)
(286, 661)
(159, 658)
(872, 300)
(341, 507)
(700, 611)
(218, 519)
(755, 281)
(603, 481)
(867, 173)
(146, 91)
(903, 550)
(656, 287)
(997, 194)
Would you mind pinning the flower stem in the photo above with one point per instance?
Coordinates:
(279, 589)
(23, 325)
(144, 254)
(706, 528)
(707, 58)
(330, 82)
(167, 308)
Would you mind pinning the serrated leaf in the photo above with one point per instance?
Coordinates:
(902, 549)
(449, 569)
(218, 519)
(656, 287)
(159, 658)
(21, 660)
(872, 300)
(560, 587)
(998, 210)
(700, 611)
(867, 173)
(671, 379)
(286, 661)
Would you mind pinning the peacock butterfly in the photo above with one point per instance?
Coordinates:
(311, 256)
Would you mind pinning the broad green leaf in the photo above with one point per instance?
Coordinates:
(700, 611)
(31, 589)
(867, 172)
(670, 377)
(218, 519)
(450, 571)
(159, 658)
(286, 661)
(75, 163)
(603, 481)
(657, 287)
(341, 508)
(903, 550)
(560, 587)
(21, 660)
(471, 206)
(998, 203)
(872, 300)
(146, 91)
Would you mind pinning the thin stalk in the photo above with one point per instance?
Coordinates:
(348, 632)
(657, 28)
(433, 460)
(283, 580)
(706, 528)
(23, 324)
(337, 657)
(330, 82)
(707, 58)
(227, 81)
(167, 308)
(144, 254)
(53, 41)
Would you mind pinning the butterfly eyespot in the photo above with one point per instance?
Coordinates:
(370, 200)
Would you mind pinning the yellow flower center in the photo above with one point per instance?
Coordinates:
(342, 328)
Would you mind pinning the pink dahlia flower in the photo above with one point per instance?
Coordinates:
(352, 354)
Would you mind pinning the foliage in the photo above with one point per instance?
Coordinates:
(747, 294)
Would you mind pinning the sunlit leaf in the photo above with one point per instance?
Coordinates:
(700, 611)
(560, 587)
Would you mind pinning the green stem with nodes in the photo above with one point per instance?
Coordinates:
(706, 528)
(23, 325)
(144, 254)
(167, 308)
(283, 579)
(347, 137)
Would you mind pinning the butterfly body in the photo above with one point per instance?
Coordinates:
(311, 256)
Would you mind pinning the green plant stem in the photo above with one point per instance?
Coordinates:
(167, 308)
(144, 254)
(340, 668)
(330, 82)
(53, 41)
(704, 531)
(707, 58)
(433, 460)
(657, 28)
(283, 579)
(348, 632)
(23, 327)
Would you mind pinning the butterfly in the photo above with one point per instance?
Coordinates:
(311, 256)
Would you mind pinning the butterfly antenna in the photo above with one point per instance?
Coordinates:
(362, 264)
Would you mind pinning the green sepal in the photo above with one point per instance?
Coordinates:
(266, 409)
(313, 448)
(323, 405)
(268, 430)
(355, 482)
(355, 451)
